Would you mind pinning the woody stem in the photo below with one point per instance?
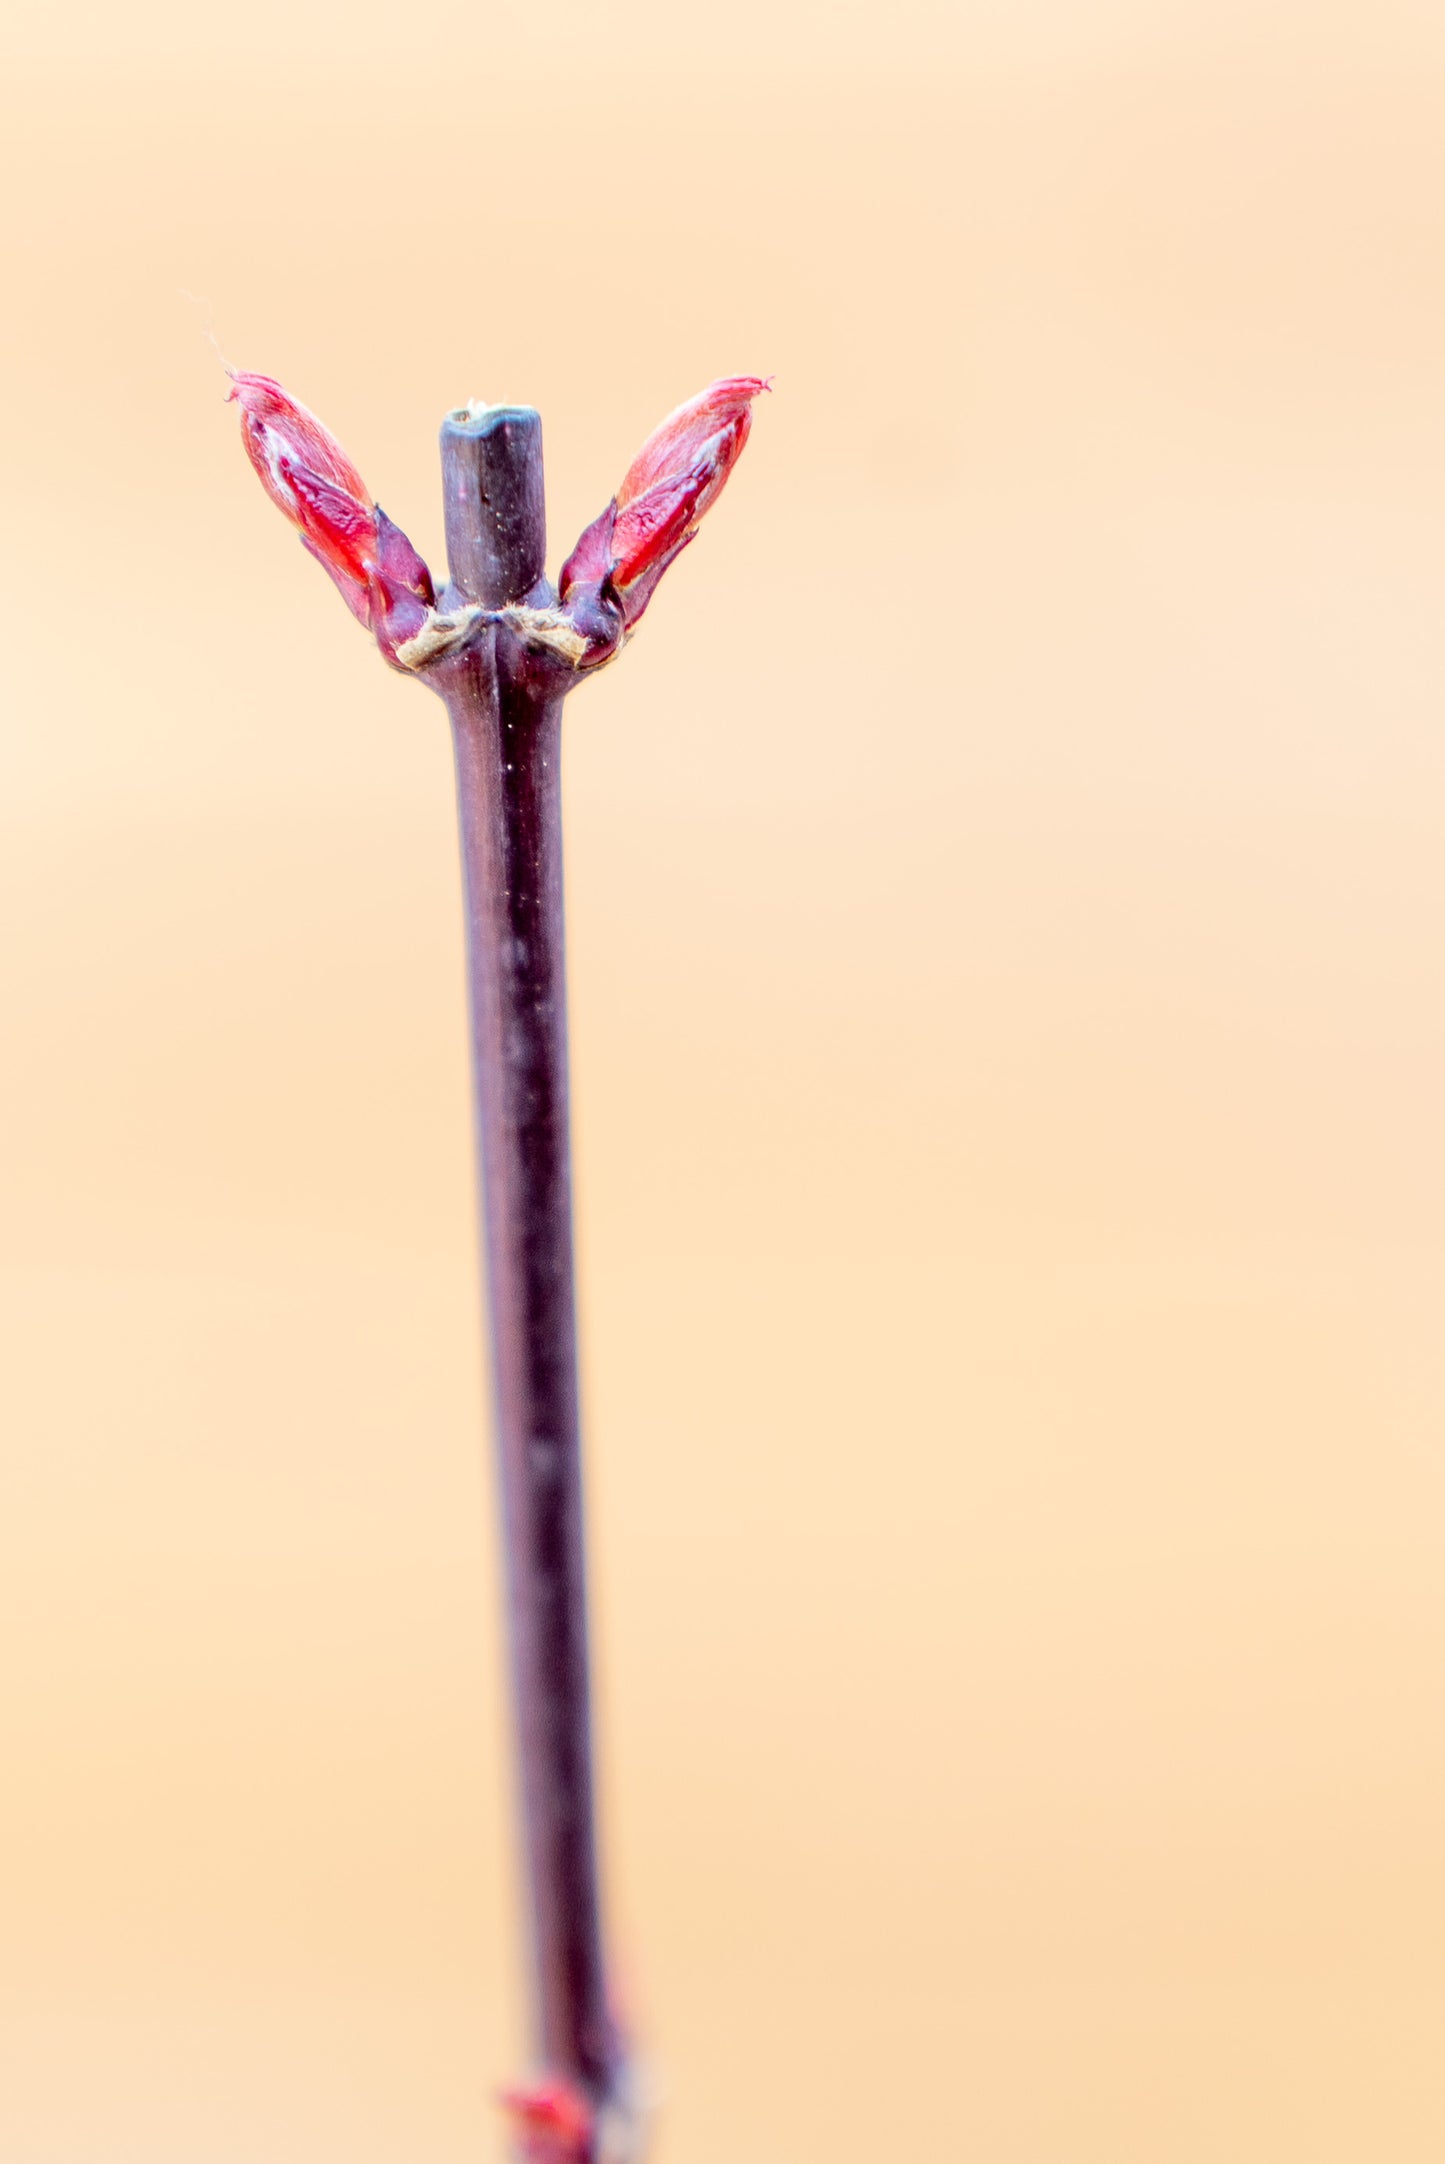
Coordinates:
(506, 727)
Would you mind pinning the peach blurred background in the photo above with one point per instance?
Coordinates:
(1006, 896)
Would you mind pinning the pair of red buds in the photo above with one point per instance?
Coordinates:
(675, 477)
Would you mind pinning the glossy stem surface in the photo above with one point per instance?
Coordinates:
(506, 727)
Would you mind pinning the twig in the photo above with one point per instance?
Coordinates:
(502, 649)
(506, 714)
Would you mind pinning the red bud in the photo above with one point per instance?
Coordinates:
(308, 476)
(677, 442)
(675, 477)
(554, 2122)
(305, 472)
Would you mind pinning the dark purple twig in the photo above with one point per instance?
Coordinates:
(506, 708)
